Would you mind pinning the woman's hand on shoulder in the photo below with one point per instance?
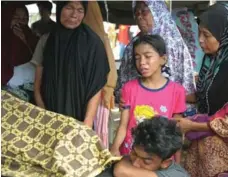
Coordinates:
(184, 123)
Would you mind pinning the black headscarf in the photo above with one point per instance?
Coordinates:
(212, 86)
(215, 20)
(75, 68)
(61, 4)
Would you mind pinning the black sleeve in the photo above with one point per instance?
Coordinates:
(97, 69)
(108, 172)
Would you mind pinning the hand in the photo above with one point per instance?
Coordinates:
(115, 152)
(185, 124)
(108, 98)
(17, 30)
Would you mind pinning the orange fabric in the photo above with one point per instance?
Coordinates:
(123, 36)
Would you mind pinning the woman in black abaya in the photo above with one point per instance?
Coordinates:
(74, 67)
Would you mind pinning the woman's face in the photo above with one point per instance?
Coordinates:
(147, 60)
(144, 18)
(20, 17)
(208, 42)
(72, 15)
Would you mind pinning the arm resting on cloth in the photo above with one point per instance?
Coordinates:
(199, 126)
(92, 109)
(125, 169)
(187, 125)
(37, 85)
(218, 123)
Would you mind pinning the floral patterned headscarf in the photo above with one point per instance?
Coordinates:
(179, 58)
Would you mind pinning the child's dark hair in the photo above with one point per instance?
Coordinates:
(158, 136)
(156, 41)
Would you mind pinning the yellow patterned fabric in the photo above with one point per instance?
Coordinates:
(40, 143)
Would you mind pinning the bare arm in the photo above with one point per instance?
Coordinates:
(121, 132)
(125, 169)
(37, 85)
(187, 125)
(199, 126)
(91, 109)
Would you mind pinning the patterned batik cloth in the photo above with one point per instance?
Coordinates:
(179, 59)
(40, 143)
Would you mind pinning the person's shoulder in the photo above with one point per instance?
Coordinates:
(52, 22)
(173, 171)
(179, 170)
(176, 86)
(90, 33)
(35, 24)
(129, 46)
(131, 83)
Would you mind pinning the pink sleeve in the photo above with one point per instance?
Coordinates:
(180, 105)
(126, 96)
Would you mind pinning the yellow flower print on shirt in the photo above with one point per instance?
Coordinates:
(143, 112)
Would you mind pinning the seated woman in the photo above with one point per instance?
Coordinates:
(207, 155)
(72, 65)
(36, 142)
(18, 45)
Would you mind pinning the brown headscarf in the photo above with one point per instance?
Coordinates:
(95, 21)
